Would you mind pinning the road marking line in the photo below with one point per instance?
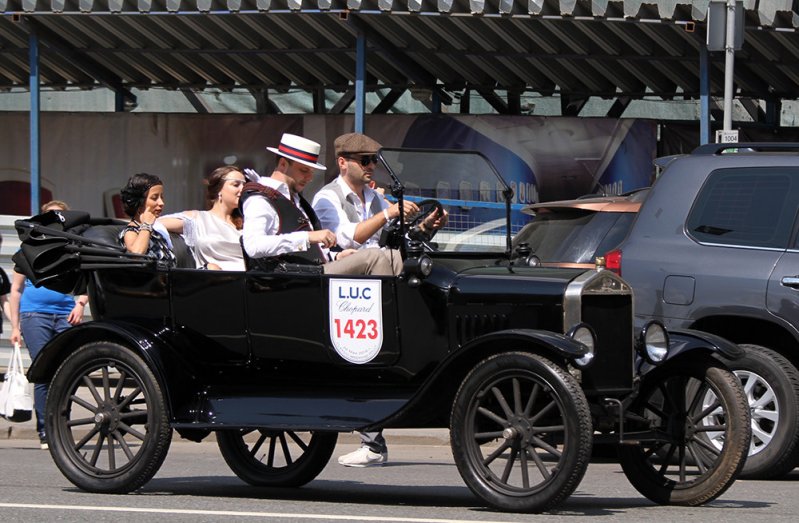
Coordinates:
(239, 513)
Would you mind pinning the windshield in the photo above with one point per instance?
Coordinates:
(468, 187)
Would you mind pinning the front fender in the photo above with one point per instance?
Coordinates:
(552, 342)
(684, 341)
(172, 372)
(431, 403)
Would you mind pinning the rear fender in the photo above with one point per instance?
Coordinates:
(174, 374)
(684, 342)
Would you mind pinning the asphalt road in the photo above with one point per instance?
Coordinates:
(419, 484)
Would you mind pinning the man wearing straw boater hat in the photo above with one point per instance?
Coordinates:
(281, 230)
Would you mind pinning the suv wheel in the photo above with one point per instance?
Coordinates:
(771, 383)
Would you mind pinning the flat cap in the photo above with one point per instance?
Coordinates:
(355, 143)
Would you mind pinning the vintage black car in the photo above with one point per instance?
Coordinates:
(526, 366)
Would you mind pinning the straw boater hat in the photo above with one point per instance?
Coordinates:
(300, 150)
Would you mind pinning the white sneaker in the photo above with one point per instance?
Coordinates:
(363, 457)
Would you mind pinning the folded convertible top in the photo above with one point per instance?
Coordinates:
(59, 247)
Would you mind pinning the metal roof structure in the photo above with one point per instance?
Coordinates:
(501, 49)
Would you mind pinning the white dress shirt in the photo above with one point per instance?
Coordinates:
(261, 224)
(332, 216)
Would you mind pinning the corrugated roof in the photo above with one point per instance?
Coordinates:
(578, 48)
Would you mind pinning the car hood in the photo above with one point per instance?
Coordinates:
(511, 284)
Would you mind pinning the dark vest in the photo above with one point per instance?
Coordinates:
(290, 219)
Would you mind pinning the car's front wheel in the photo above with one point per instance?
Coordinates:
(107, 420)
(276, 458)
(521, 432)
(673, 461)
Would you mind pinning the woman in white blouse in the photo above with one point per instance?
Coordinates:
(214, 234)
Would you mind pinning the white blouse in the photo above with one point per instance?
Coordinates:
(212, 240)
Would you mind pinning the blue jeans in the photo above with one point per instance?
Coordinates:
(38, 328)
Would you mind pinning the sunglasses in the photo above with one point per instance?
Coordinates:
(365, 159)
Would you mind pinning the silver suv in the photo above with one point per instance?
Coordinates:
(715, 248)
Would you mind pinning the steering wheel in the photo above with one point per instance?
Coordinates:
(426, 209)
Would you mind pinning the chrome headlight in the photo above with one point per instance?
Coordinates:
(654, 342)
(584, 335)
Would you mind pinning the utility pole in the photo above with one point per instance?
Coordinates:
(729, 64)
(725, 32)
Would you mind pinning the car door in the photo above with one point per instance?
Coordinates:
(783, 290)
(309, 319)
(208, 308)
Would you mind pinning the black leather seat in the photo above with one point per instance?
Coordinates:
(183, 253)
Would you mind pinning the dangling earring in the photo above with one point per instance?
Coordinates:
(219, 196)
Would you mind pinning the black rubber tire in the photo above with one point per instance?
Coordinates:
(108, 390)
(292, 458)
(513, 413)
(765, 373)
(676, 466)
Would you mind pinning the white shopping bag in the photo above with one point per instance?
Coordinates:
(16, 399)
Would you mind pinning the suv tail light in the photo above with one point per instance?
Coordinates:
(613, 261)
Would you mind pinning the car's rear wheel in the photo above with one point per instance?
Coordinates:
(276, 458)
(107, 421)
(673, 462)
(771, 383)
(521, 432)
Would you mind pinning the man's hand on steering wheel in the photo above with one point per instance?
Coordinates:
(431, 217)
(409, 208)
(422, 220)
(436, 220)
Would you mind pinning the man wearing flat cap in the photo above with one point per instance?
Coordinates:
(351, 208)
(280, 226)
(357, 213)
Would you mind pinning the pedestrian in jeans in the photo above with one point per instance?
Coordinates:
(37, 314)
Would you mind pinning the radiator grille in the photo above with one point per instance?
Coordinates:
(611, 317)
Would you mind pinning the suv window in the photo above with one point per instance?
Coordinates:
(574, 235)
(745, 206)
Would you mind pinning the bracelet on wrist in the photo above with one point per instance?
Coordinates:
(146, 227)
(385, 213)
